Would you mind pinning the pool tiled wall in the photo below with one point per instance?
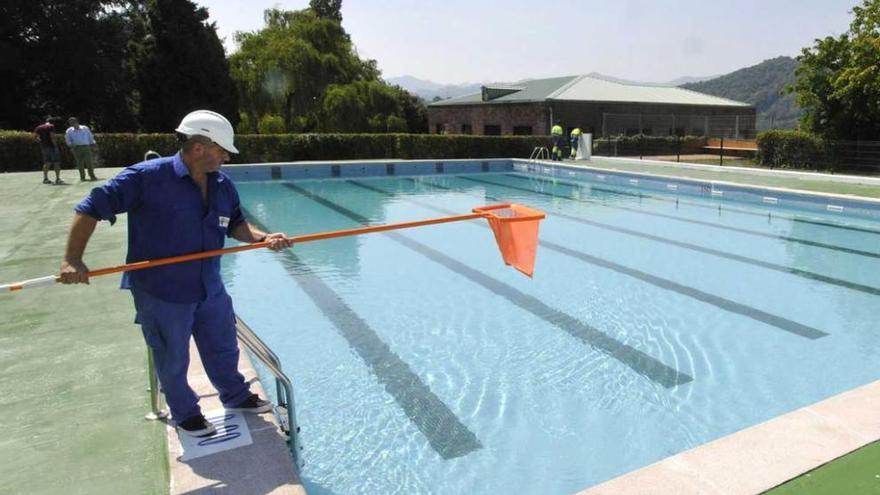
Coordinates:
(721, 192)
(322, 170)
(635, 182)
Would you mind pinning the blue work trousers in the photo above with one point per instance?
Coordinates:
(167, 328)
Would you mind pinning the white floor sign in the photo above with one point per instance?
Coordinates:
(232, 433)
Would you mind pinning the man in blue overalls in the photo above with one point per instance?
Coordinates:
(179, 205)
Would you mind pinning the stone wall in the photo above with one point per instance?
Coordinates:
(454, 118)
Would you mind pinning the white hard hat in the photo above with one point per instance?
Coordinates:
(211, 125)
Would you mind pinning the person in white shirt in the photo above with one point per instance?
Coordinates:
(81, 142)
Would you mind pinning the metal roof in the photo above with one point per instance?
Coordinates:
(591, 88)
(534, 90)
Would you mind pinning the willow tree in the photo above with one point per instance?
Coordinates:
(303, 68)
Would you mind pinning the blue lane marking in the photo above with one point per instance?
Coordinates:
(717, 301)
(637, 360)
(729, 208)
(714, 252)
(446, 434)
(697, 222)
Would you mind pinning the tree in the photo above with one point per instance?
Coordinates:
(838, 81)
(303, 67)
(181, 66)
(327, 9)
(414, 112)
(66, 58)
(360, 106)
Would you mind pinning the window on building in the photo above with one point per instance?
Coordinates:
(522, 130)
(467, 129)
(491, 130)
(438, 128)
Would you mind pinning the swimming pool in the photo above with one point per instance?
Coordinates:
(656, 321)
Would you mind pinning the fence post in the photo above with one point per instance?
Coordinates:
(677, 148)
(721, 151)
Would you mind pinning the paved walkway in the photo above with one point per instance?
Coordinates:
(73, 364)
(74, 373)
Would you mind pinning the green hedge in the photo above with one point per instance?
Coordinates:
(641, 144)
(20, 152)
(792, 149)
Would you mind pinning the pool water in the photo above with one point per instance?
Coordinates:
(422, 364)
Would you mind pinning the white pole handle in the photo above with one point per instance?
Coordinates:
(28, 284)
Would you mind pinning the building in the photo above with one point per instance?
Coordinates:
(595, 104)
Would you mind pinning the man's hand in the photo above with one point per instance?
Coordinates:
(278, 241)
(74, 272)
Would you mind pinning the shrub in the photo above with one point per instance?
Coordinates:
(270, 124)
(792, 149)
(19, 151)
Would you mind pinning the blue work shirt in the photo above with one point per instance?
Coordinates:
(167, 217)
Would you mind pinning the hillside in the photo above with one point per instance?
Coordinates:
(429, 90)
(761, 85)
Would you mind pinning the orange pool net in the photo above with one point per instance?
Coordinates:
(516, 232)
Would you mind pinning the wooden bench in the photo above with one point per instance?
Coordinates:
(731, 145)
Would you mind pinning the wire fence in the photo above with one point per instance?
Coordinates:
(850, 157)
(726, 126)
(861, 157)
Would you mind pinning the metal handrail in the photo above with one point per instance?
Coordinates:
(156, 409)
(540, 153)
(283, 387)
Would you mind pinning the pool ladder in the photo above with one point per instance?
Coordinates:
(285, 410)
(540, 153)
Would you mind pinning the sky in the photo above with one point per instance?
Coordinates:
(459, 41)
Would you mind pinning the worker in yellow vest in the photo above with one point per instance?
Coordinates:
(557, 134)
(575, 138)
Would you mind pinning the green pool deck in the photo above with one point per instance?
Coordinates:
(857, 473)
(787, 179)
(74, 365)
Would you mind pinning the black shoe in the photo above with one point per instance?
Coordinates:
(253, 404)
(47, 181)
(196, 426)
(59, 182)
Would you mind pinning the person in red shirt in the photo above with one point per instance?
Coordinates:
(49, 150)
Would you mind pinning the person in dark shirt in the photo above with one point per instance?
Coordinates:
(49, 150)
(178, 205)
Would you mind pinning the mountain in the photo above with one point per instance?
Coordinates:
(761, 85)
(429, 90)
(689, 79)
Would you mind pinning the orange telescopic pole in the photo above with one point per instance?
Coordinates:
(515, 228)
(140, 265)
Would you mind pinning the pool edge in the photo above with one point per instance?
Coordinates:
(265, 466)
(765, 455)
